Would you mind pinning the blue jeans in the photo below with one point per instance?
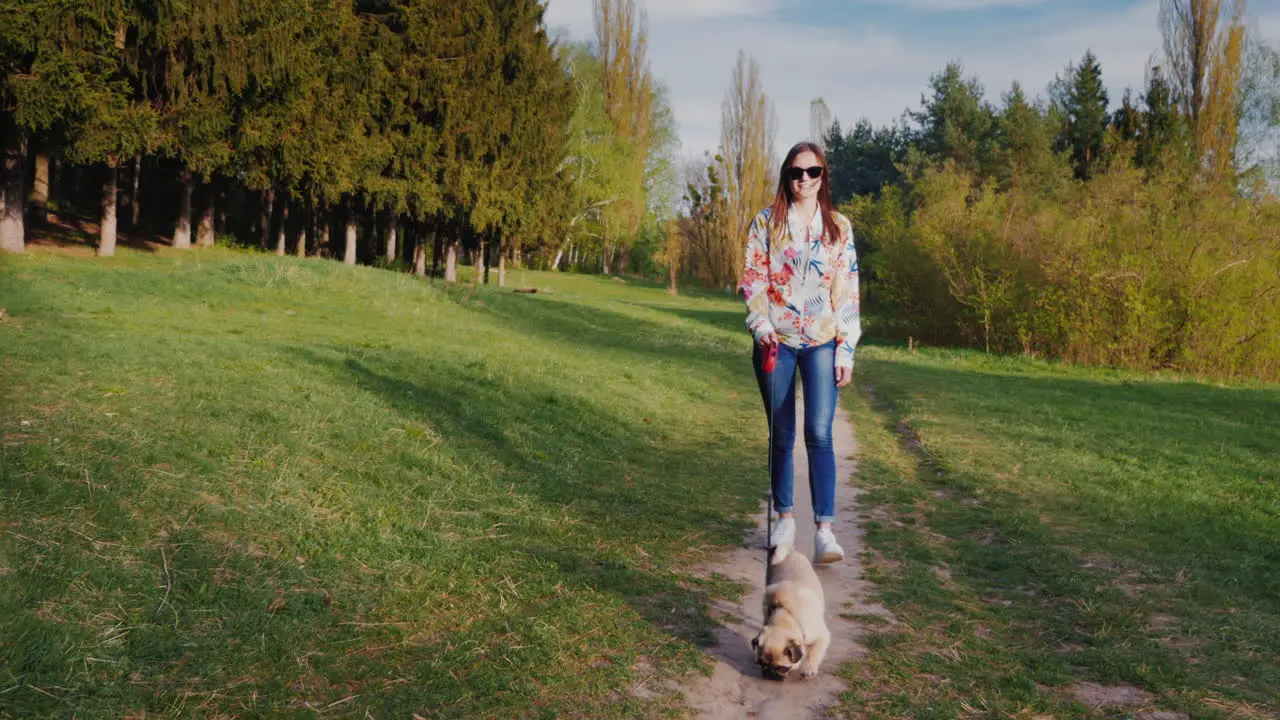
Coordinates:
(817, 367)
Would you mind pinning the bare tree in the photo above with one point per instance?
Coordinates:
(748, 127)
(12, 185)
(819, 122)
(1204, 48)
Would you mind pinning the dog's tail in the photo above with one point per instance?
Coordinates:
(780, 553)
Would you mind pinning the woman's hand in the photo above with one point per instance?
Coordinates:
(767, 340)
(843, 376)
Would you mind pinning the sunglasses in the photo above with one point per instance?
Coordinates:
(796, 174)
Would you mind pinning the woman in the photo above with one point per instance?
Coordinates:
(801, 286)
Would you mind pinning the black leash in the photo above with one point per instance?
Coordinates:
(770, 361)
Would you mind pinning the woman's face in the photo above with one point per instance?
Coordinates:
(804, 188)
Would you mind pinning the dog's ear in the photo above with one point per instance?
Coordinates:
(755, 643)
(794, 652)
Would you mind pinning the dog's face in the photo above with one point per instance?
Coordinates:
(778, 650)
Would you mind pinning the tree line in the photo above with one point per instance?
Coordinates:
(378, 131)
(1146, 236)
(416, 132)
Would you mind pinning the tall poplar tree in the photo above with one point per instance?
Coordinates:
(622, 41)
(1204, 43)
(748, 128)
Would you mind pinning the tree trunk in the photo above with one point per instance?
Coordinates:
(268, 204)
(40, 190)
(480, 266)
(391, 237)
(555, 264)
(134, 207)
(502, 266)
(204, 231)
(223, 194)
(419, 254)
(282, 237)
(451, 261)
(12, 187)
(437, 249)
(56, 171)
(107, 231)
(323, 220)
(304, 230)
(182, 232)
(76, 181)
(349, 253)
(515, 255)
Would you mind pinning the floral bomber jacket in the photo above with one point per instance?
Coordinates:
(802, 289)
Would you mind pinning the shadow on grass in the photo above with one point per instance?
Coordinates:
(80, 235)
(727, 320)
(590, 326)
(1167, 508)
(117, 615)
(219, 625)
(644, 489)
(1180, 459)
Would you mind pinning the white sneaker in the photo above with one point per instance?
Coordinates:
(784, 533)
(825, 547)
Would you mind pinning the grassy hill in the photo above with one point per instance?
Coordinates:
(238, 484)
(241, 485)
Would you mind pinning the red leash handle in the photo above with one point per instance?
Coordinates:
(771, 357)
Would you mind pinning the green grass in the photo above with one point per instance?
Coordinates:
(1033, 526)
(231, 484)
(238, 485)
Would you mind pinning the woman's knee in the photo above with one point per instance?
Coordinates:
(784, 438)
(818, 438)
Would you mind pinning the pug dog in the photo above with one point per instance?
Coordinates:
(795, 633)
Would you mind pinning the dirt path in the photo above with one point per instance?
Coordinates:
(735, 689)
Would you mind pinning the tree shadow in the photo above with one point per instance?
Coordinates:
(79, 235)
(644, 339)
(1199, 507)
(659, 498)
(733, 321)
(173, 612)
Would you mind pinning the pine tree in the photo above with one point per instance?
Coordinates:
(865, 159)
(539, 99)
(1024, 140)
(1161, 127)
(1081, 102)
(1127, 119)
(955, 123)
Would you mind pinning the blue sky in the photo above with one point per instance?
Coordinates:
(873, 58)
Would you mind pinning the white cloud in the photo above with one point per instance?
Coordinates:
(576, 15)
(671, 10)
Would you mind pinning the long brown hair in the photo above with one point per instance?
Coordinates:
(782, 201)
